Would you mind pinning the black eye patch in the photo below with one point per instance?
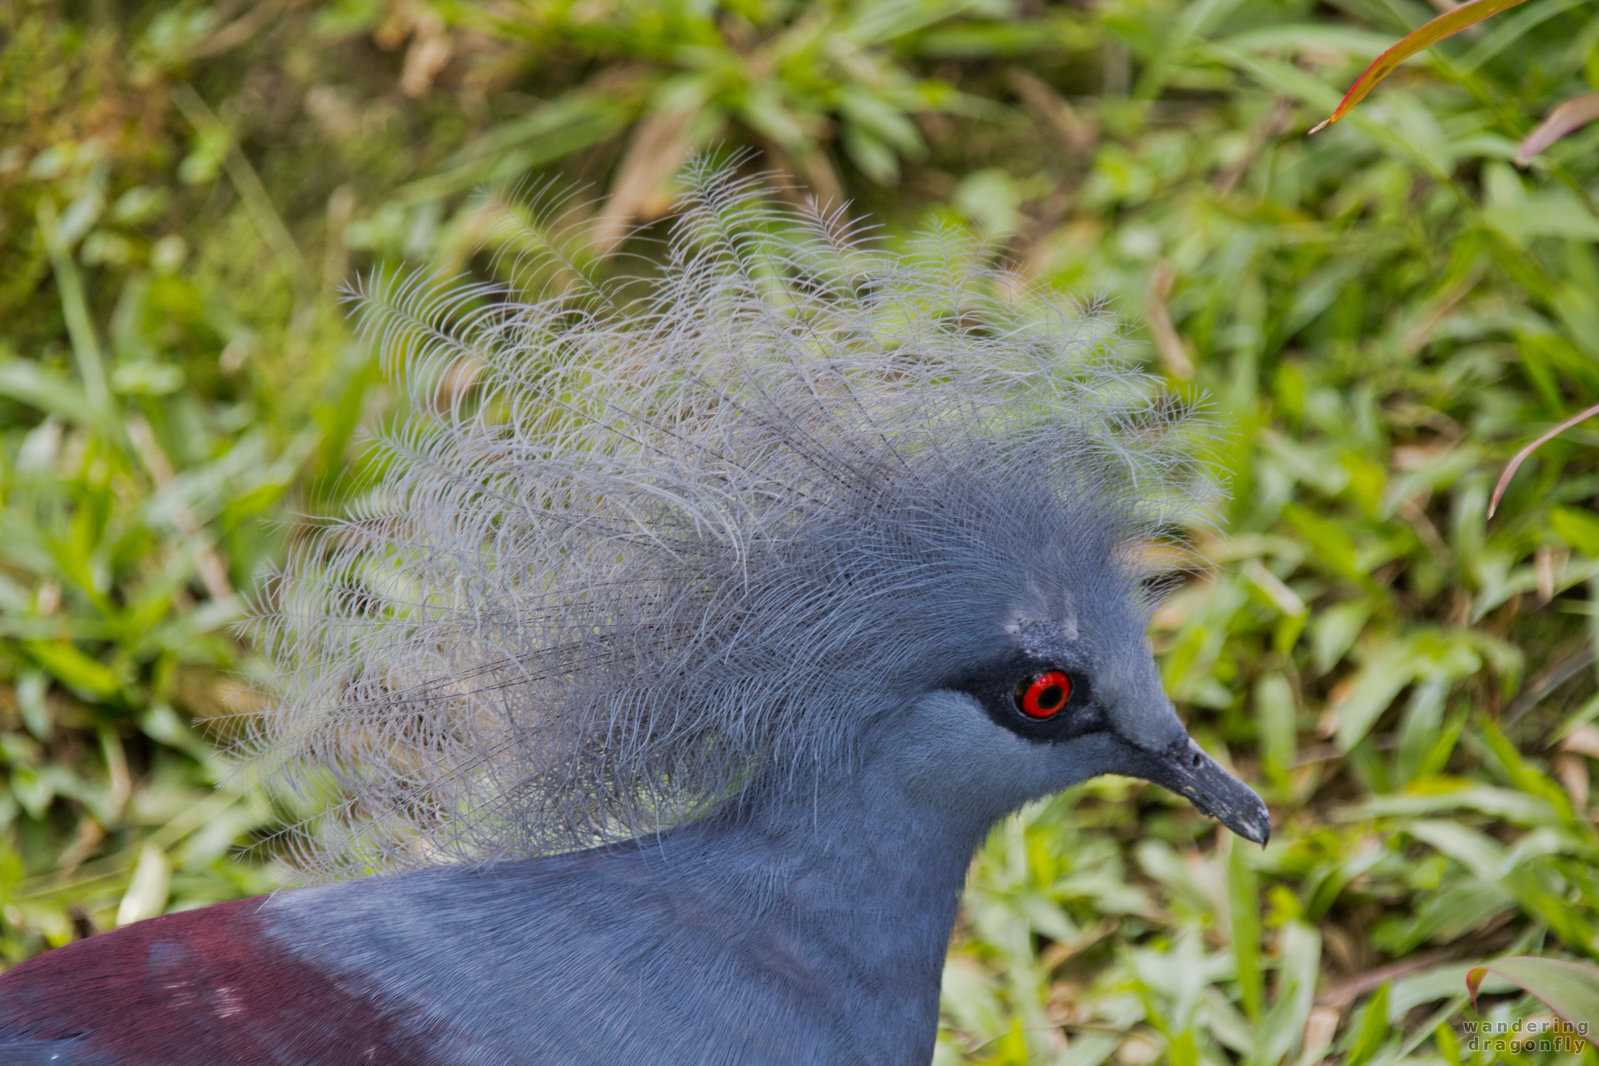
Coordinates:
(1046, 700)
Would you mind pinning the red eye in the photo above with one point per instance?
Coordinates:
(1043, 695)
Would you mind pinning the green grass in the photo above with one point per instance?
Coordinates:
(1381, 316)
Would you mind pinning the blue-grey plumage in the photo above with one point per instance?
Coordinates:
(694, 640)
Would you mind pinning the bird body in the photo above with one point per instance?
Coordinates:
(677, 710)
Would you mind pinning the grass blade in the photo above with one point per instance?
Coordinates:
(1445, 25)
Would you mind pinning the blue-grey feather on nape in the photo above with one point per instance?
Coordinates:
(643, 546)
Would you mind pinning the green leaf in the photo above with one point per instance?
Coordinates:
(146, 896)
(1284, 1024)
(1570, 989)
(1378, 682)
(27, 382)
(1373, 1029)
(1578, 528)
(1243, 898)
(72, 667)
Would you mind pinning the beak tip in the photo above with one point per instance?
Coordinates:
(1187, 770)
(1253, 825)
(1218, 793)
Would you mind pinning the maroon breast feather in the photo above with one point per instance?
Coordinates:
(201, 987)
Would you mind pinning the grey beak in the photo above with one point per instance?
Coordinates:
(1184, 768)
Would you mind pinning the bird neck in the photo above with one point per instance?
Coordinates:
(844, 893)
(858, 824)
(857, 857)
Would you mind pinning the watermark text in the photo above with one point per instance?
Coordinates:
(1526, 1034)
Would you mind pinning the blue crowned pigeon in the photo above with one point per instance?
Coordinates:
(701, 627)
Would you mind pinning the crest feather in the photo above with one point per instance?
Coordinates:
(642, 544)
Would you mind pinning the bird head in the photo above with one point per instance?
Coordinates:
(799, 507)
(1052, 701)
(984, 631)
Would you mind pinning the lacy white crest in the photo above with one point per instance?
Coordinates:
(641, 544)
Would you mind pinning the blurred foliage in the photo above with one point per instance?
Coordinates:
(1381, 316)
